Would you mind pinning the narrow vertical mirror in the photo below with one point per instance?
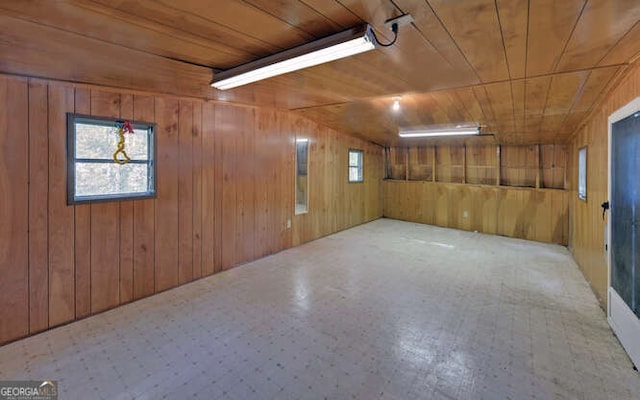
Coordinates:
(302, 177)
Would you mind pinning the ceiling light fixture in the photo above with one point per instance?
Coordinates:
(434, 132)
(340, 45)
(396, 103)
(344, 44)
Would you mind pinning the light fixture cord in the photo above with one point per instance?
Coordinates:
(394, 28)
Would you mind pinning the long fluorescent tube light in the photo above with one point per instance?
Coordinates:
(411, 133)
(344, 44)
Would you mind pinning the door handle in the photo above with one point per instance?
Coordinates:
(605, 207)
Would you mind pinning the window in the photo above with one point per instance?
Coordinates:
(582, 173)
(355, 166)
(92, 150)
(302, 181)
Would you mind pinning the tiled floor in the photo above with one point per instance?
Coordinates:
(387, 310)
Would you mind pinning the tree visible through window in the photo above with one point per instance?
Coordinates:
(92, 169)
(355, 166)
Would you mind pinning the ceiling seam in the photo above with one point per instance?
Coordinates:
(504, 47)
(453, 40)
(579, 92)
(342, 5)
(506, 58)
(247, 2)
(573, 29)
(21, 18)
(546, 102)
(526, 71)
(423, 36)
(617, 43)
(164, 25)
(526, 51)
(227, 27)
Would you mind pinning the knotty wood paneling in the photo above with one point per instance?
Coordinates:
(328, 174)
(125, 235)
(144, 219)
(523, 166)
(196, 172)
(14, 210)
(61, 217)
(105, 226)
(246, 192)
(481, 164)
(185, 192)
(396, 162)
(534, 214)
(230, 142)
(421, 162)
(38, 198)
(587, 225)
(553, 166)
(167, 243)
(208, 192)
(519, 165)
(450, 163)
(225, 197)
(83, 229)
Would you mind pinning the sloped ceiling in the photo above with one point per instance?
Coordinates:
(529, 71)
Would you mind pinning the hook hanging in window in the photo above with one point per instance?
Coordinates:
(122, 127)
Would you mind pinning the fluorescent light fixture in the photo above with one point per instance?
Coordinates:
(340, 45)
(427, 132)
(302, 140)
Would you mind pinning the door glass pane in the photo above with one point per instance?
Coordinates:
(625, 210)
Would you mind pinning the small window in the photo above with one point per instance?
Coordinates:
(582, 173)
(302, 176)
(109, 159)
(355, 166)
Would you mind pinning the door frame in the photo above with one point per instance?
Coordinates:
(625, 324)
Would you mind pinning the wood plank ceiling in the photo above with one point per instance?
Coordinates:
(528, 70)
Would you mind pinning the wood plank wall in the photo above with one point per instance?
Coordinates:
(587, 225)
(225, 196)
(493, 189)
(358, 202)
(537, 166)
(533, 214)
(482, 165)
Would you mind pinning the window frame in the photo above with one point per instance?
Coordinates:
(152, 165)
(360, 167)
(582, 172)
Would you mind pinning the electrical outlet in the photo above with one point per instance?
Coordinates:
(288, 224)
